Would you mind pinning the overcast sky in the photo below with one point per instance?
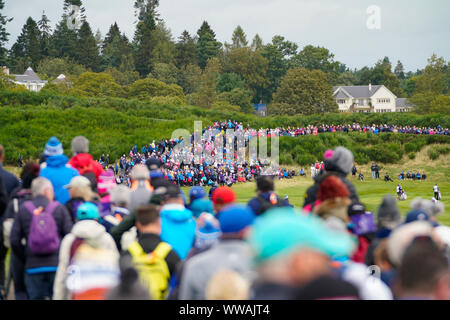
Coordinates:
(410, 30)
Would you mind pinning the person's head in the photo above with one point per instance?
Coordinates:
(120, 196)
(402, 237)
(173, 194)
(80, 187)
(292, 248)
(2, 154)
(432, 208)
(234, 221)
(29, 172)
(42, 187)
(227, 284)
(88, 211)
(148, 219)
(139, 172)
(340, 160)
(389, 215)
(53, 147)
(424, 271)
(334, 199)
(80, 144)
(222, 197)
(196, 193)
(265, 183)
(200, 206)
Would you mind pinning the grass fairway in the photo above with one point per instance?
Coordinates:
(371, 192)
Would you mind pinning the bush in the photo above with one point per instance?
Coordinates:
(412, 155)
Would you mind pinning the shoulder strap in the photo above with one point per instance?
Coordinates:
(135, 249)
(162, 250)
(16, 205)
(29, 206)
(51, 207)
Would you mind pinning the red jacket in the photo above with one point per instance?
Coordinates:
(360, 253)
(84, 163)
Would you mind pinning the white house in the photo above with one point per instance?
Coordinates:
(29, 79)
(371, 98)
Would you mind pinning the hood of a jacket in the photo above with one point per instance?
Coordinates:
(81, 160)
(57, 161)
(176, 212)
(90, 230)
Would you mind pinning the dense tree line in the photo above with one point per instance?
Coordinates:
(210, 74)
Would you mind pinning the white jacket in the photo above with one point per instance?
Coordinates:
(95, 234)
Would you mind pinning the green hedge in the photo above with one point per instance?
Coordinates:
(164, 108)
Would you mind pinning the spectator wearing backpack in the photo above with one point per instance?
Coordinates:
(178, 224)
(154, 259)
(40, 253)
(266, 197)
(57, 170)
(231, 252)
(21, 194)
(9, 180)
(92, 254)
(82, 161)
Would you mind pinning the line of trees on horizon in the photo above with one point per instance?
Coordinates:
(208, 73)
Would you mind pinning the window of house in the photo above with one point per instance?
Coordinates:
(361, 102)
(341, 101)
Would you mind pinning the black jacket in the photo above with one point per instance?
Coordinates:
(9, 180)
(21, 229)
(313, 191)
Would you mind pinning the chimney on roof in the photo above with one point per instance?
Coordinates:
(370, 86)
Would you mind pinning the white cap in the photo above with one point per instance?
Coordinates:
(78, 181)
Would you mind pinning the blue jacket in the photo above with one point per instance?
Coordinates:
(178, 228)
(60, 175)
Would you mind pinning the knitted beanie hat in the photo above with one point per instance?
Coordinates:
(53, 147)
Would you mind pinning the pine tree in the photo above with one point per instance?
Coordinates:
(257, 43)
(239, 38)
(46, 30)
(87, 50)
(27, 50)
(207, 45)
(143, 36)
(399, 70)
(3, 34)
(185, 51)
(115, 47)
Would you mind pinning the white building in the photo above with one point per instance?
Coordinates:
(29, 79)
(371, 98)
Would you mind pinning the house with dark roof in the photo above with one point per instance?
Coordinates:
(30, 80)
(371, 98)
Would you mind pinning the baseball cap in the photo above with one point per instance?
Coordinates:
(417, 215)
(153, 164)
(223, 195)
(235, 218)
(281, 230)
(356, 208)
(88, 211)
(78, 182)
(200, 206)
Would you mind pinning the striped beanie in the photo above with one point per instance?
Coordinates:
(53, 147)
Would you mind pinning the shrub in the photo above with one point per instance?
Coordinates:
(412, 155)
